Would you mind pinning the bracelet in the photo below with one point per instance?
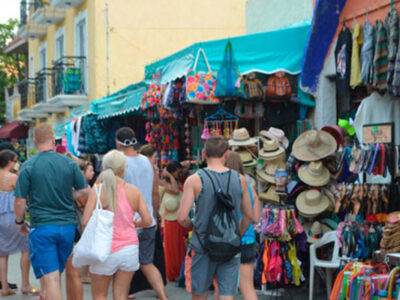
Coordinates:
(19, 223)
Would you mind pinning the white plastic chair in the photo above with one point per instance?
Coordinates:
(329, 265)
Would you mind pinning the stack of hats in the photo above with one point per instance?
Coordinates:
(273, 154)
(311, 147)
(390, 241)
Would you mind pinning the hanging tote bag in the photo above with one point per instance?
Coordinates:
(229, 83)
(95, 243)
(200, 86)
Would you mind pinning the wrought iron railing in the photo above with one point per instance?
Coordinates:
(23, 15)
(42, 85)
(68, 75)
(26, 91)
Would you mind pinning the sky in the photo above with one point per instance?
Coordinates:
(9, 9)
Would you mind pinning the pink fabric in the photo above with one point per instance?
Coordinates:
(124, 233)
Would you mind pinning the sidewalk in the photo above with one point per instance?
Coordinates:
(174, 293)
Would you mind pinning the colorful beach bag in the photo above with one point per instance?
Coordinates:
(200, 86)
(229, 83)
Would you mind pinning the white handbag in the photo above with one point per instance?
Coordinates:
(95, 242)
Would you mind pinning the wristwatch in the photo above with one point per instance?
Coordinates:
(19, 223)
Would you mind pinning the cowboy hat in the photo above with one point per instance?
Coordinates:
(270, 195)
(336, 132)
(311, 203)
(315, 231)
(314, 145)
(247, 159)
(314, 174)
(241, 137)
(171, 205)
(270, 149)
(276, 133)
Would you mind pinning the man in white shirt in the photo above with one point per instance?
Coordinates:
(140, 173)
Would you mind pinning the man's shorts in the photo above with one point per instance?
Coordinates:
(50, 246)
(125, 259)
(248, 254)
(203, 270)
(147, 245)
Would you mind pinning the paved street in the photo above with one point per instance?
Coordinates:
(174, 293)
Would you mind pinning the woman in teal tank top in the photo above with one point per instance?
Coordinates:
(249, 244)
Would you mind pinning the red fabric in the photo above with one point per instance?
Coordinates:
(174, 248)
(14, 130)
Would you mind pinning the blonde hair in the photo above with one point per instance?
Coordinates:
(43, 133)
(114, 164)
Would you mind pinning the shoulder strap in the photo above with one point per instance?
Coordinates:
(98, 188)
(229, 181)
(212, 181)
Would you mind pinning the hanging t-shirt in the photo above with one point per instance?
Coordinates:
(343, 63)
(355, 78)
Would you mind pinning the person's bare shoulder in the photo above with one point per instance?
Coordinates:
(12, 179)
(194, 181)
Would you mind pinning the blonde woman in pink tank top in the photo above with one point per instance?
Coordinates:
(124, 200)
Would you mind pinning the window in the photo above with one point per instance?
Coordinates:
(81, 47)
(60, 43)
(41, 79)
(31, 66)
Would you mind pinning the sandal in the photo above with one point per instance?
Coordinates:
(8, 293)
(32, 291)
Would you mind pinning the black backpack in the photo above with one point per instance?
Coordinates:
(223, 234)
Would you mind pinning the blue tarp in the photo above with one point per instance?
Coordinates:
(267, 52)
(126, 100)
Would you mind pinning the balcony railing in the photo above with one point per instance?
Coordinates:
(27, 92)
(68, 76)
(42, 85)
(34, 5)
(23, 13)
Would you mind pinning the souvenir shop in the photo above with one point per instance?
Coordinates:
(15, 135)
(356, 86)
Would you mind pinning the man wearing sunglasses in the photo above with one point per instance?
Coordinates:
(140, 173)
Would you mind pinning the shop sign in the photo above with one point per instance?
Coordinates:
(378, 133)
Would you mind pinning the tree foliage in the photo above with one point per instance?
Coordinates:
(11, 66)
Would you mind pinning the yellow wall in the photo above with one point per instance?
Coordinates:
(140, 33)
(144, 31)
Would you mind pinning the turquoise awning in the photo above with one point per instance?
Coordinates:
(267, 52)
(124, 101)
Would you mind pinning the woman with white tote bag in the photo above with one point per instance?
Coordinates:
(124, 200)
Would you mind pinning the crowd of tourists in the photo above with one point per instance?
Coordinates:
(48, 203)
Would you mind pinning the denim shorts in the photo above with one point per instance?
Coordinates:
(50, 246)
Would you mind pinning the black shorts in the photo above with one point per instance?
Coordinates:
(248, 254)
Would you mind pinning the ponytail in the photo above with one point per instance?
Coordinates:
(110, 187)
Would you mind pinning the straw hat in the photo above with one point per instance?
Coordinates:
(315, 231)
(276, 133)
(312, 203)
(171, 205)
(241, 137)
(269, 194)
(247, 159)
(270, 149)
(314, 145)
(314, 174)
(267, 174)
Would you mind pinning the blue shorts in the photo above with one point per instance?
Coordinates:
(50, 246)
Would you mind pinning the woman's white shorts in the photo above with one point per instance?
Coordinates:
(125, 259)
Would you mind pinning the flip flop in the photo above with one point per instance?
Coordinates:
(33, 291)
(8, 293)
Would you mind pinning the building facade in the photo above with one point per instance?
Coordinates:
(79, 50)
